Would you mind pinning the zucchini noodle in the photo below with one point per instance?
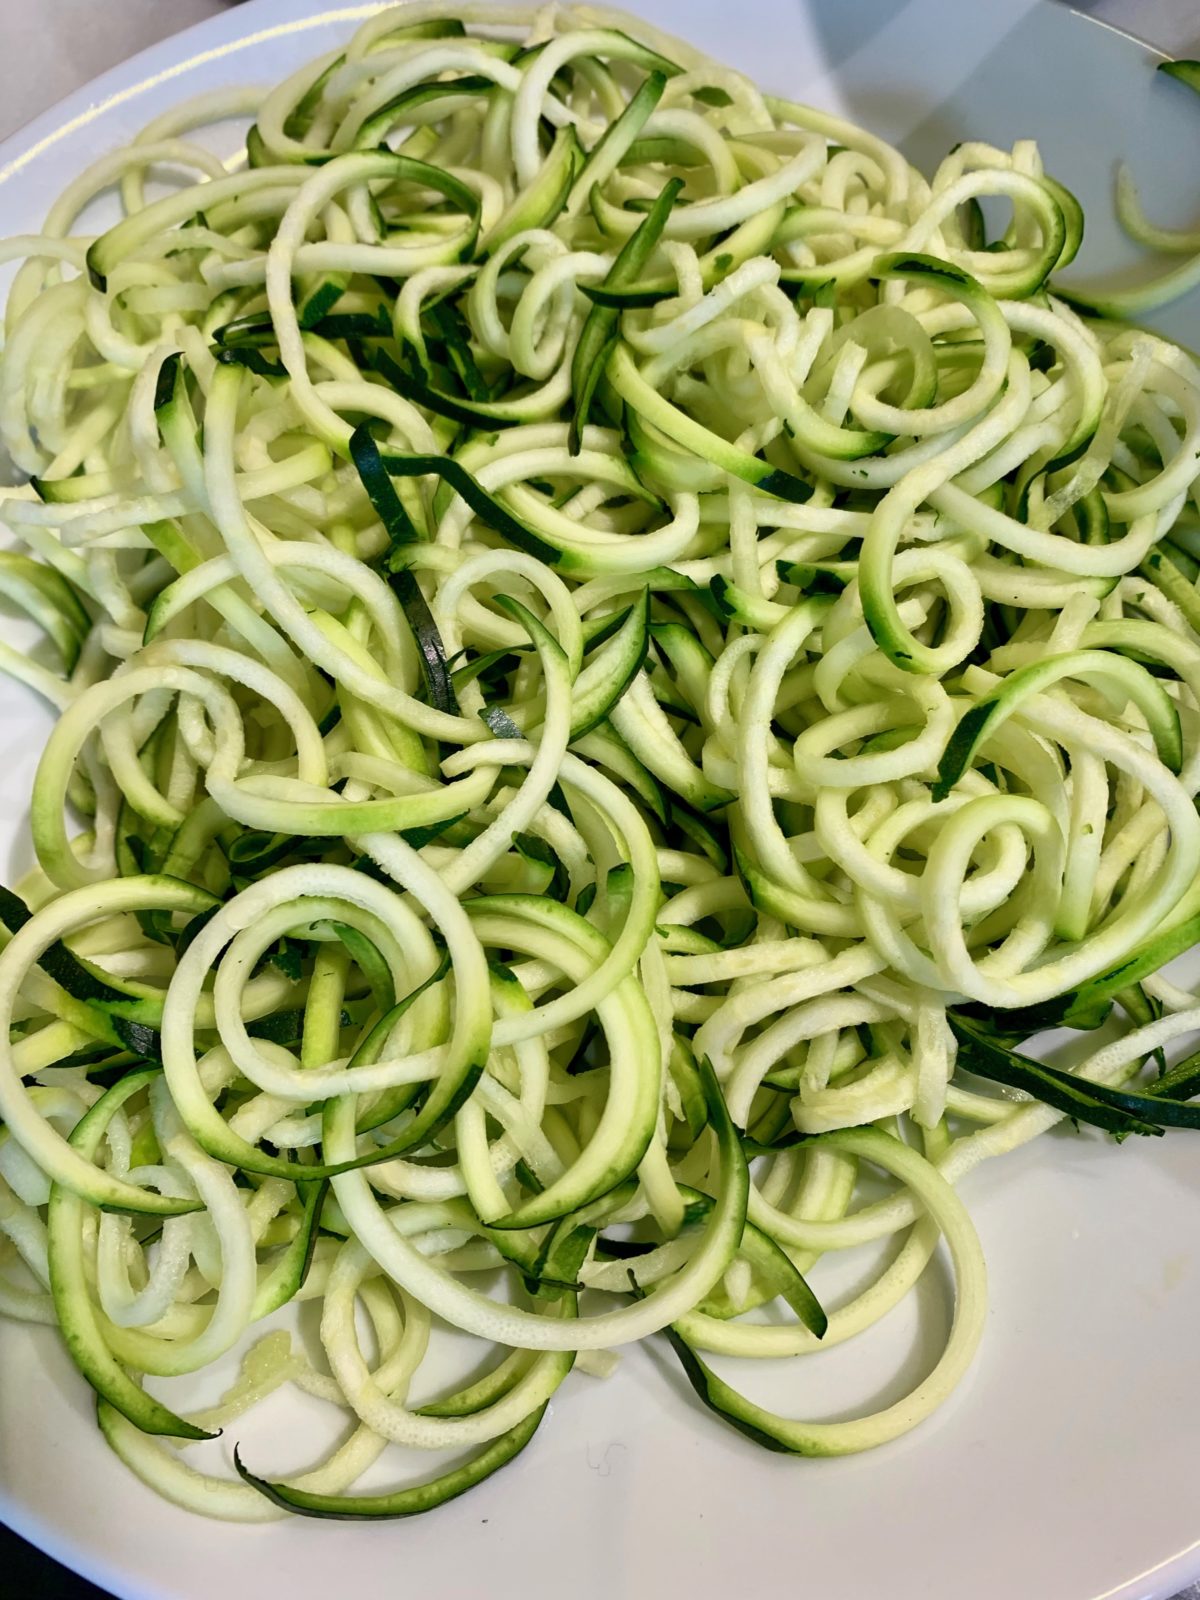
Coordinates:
(614, 657)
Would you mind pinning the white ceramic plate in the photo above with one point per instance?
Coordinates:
(1064, 1467)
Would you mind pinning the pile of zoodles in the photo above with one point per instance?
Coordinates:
(618, 650)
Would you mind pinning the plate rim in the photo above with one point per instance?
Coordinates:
(111, 88)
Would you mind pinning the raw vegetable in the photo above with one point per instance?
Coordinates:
(616, 659)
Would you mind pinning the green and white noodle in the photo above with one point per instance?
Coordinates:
(607, 642)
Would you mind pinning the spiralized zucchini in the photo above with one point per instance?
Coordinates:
(607, 641)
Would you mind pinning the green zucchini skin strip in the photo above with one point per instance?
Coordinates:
(606, 154)
(83, 981)
(1095, 1104)
(373, 132)
(487, 507)
(288, 1274)
(985, 716)
(782, 1434)
(599, 332)
(541, 203)
(693, 436)
(49, 599)
(491, 1387)
(783, 1278)
(375, 480)
(449, 1485)
(1149, 1113)
(410, 1502)
(1092, 1001)
(112, 247)
(623, 659)
(1184, 70)
(372, 1046)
